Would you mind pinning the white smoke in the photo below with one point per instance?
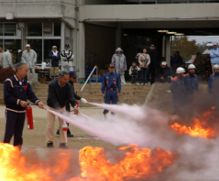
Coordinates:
(197, 160)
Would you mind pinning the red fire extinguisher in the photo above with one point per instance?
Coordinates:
(29, 115)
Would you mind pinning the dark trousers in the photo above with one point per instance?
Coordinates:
(143, 75)
(14, 127)
(151, 74)
(134, 78)
(111, 97)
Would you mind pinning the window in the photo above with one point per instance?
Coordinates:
(10, 29)
(34, 29)
(47, 29)
(57, 29)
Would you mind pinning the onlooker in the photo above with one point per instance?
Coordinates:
(119, 60)
(154, 65)
(19, 56)
(7, 59)
(144, 61)
(1, 57)
(203, 65)
(179, 92)
(55, 60)
(16, 93)
(133, 72)
(209, 46)
(191, 80)
(111, 87)
(29, 56)
(59, 94)
(213, 86)
(214, 54)
(67, 59)
(176, 61)
(7, 66)
(164, 72)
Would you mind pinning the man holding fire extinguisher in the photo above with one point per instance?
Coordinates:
(16, 93)
(59, 94)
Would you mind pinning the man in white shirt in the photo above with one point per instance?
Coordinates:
(29, 56)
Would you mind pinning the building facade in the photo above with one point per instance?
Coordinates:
(94, 28)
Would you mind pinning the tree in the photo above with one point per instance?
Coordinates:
(186, 47)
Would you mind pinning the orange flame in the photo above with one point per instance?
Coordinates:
(199, 128)
(14, 166)
(137, 163)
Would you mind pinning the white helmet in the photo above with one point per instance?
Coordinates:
(119, 49)
(191, 66)
(216, 67)
(209, 44)
(163, 63)
(180, 70)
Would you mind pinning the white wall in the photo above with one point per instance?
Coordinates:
(153, 12)
(39, 9)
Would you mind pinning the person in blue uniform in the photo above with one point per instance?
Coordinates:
(213, 86)
(192, 85)
(16, 93)
(111, 87)
(191, 80)
(179, 92)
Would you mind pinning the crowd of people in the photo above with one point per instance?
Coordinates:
(57, 61)
(184, 83)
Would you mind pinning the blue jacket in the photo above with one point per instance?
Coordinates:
(54, 59)
(15, 91)
(191, 83)
(214, 54)
(213, 83)
(111, 82)
(179, 90)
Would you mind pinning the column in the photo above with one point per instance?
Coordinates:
(168, 49)
(163, 46)
(62, 46)
(80, 55)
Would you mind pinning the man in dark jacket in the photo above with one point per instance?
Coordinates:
(59, 94)
(154, 65)
(72, 80)
(16, 93)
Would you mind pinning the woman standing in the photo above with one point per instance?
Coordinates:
(144, 61)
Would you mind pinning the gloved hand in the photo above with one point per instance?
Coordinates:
(83, 100)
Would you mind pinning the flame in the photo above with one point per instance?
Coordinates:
(137, 163)
(15, 166)
(199, 127)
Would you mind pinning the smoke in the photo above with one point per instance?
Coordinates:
(116, 129)
(197, 158)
